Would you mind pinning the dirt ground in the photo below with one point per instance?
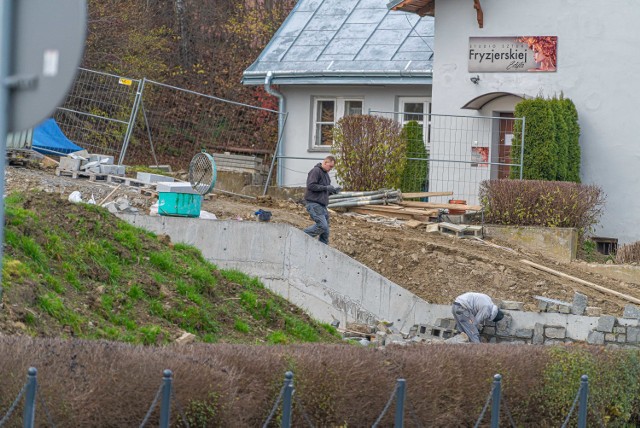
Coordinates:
(435, 267)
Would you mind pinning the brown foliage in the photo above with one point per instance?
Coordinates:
(542, 203)
(629, 253)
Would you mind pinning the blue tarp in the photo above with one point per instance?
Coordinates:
(48, 139)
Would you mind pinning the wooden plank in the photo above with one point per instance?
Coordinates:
(413, 223)
(397, 215)
(425, 194)
(414, 204)
(582, 281)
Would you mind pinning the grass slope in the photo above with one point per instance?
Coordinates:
(75, 270)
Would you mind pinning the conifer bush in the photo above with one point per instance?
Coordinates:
(414, 176)
(370, 152)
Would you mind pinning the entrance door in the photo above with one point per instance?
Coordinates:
(504, 144)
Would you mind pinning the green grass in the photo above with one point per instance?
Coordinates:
(94, 276)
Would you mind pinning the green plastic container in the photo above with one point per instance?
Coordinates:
(179, 204)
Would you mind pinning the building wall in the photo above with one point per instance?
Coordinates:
(298, 129)
(596, 68)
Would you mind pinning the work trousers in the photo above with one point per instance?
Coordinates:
(464, 320)
(320, 215)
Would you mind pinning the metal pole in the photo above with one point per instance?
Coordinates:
(6, 42)
(584, 395)
(165, 410)
(29, 413)
(495, 401)
(522, 148)
(287, 400)
(399, 421)
(132, 121)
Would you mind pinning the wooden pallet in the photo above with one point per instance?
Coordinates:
(92, 176)
(460, 230)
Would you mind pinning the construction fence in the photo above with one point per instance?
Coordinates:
(144, 122)
(287, 402)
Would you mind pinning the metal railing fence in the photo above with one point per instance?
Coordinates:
(287, 401)
(459, 152)
(99, 111)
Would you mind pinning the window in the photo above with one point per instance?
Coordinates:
(327, 112)
(418, 109)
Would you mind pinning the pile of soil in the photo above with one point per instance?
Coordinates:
(435, 267)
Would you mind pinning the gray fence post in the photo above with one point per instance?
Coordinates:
(29, 414)
(132, 121)
(495, 401)
(165, 410)
(584, 395)
(399, 421)
(287, 400)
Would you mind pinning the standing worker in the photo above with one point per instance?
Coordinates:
(317, 198)
(471, 310)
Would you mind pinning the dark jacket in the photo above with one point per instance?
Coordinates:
(317, 182)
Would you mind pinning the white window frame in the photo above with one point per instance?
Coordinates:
(339, 113)
(426, 101)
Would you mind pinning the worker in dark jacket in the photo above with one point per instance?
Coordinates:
(317, 198)
(471, 311)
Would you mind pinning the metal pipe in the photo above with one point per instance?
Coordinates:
(343, 195)
(400, 393)
(29, 412)
(361, 203)
(582, 404)
(165, 409)
(281, 118)
(495, 401)
(365, 198)
(132, 121)
(287, 400)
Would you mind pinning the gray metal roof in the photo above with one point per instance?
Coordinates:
(347, 42)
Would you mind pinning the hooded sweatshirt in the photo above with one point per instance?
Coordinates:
(480, 305)
(317, 182)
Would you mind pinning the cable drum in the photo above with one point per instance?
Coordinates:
(203, 173)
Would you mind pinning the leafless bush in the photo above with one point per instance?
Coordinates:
(107, 384)
(542, 203)
(628, 253)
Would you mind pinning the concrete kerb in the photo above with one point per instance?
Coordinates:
(330, 285)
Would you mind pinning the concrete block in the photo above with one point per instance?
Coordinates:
(170, 187)
(606, 323)
(112, 169)
(70, 164)
(511, 305)
(102, 159)
(542, 306)
(163, 168)
(563, 309)
(555, 332)
(147, 177)
(633, 334)
(524, 333)
(595, 338)
(620, 330)
(631, 311)
(503, 327)
(622, 338)
(610, 337)
(592, 311)
(491, 331)
(449, 323)
(579, 303)
(538, 334)
(552, 342)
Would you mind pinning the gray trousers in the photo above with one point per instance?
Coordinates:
(464, 321)
(320, 215)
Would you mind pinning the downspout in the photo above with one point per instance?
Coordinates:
(281, 110)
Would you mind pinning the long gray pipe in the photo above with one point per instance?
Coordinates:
(281, 110)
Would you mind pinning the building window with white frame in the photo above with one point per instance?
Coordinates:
(326, 113)
(418, 109)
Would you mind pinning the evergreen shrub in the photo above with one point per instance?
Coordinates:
(414, 176)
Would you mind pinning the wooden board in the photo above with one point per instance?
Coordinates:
(413, 204)
(425, 194)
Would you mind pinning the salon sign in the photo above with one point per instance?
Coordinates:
(513, 54)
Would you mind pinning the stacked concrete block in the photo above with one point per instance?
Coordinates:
(511, 305)
(595, 338)
(112, 169)
(538, 334)
(546, 304)
(149, 178)
(631, 311)
(606, 323)
(579, 304)
(592, 311)
(70, 164)
(555, 332)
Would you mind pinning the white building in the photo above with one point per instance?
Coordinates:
(350, 56)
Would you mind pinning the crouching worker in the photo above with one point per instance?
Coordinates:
(471, 311)
(317, 198)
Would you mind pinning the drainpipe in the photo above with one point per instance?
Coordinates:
(281, 110)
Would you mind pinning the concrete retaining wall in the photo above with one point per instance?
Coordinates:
(330, 285)
(558, 243)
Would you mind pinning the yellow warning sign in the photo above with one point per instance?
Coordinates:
(124, 81)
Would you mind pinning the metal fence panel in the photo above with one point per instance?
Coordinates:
(462, 151)
(98, 111)
(175, 123)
